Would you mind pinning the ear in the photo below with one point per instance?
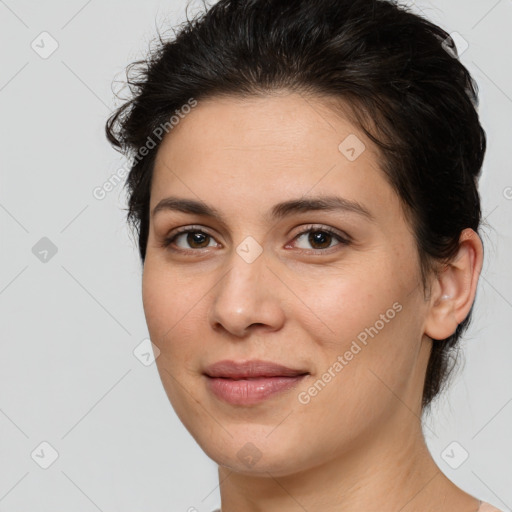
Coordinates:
(454, 288)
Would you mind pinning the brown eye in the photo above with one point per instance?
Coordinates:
(197, 237)
(194, 239)
(321, 238)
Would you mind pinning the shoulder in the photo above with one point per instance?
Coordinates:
(486, 507)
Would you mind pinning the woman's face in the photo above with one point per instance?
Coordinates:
(252, 285)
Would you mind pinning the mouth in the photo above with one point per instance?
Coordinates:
(252, 369)
(250, 382)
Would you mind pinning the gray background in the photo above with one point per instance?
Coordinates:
(70, 324)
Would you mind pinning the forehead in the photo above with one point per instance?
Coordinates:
(268, 149)
(279, 123)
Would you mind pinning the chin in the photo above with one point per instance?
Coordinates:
(252, 451)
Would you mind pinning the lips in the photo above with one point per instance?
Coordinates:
(250, 382)
(255, 368)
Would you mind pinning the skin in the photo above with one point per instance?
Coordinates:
(357, 444)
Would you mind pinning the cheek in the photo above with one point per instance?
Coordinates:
(166, 297)
(158, 302)
(169, 307)
(171, 313)
(342, 304)
(371, 322)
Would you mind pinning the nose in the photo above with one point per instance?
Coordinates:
(247, 298)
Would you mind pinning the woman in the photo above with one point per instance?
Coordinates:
(304, 190)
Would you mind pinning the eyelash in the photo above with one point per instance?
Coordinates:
(312, 228)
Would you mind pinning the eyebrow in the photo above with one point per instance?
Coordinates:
(278, 211)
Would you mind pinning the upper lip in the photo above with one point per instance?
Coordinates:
(252, 368)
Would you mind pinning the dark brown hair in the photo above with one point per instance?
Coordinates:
(393, 72)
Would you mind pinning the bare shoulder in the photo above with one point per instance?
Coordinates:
(487, 507)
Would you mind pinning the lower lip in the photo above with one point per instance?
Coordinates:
(250, 391)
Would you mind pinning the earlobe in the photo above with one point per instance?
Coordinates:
(454, 288)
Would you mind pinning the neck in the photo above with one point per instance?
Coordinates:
(389, 472)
